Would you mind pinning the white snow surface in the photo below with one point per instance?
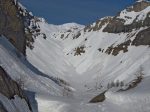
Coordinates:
(87, 72)
(18, 68)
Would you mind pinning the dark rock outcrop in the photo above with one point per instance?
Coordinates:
(79, 50)
(11, 24)
(121, 47)
(99, 98)
(10, 88)
(97, 25)
(138, 6)
(18, 25)
(142, 38)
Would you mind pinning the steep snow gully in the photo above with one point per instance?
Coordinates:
(72, 64)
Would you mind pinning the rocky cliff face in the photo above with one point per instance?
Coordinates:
(9, 89)
(98, 24)
(131, 18)
(11, 24)
(18, 25)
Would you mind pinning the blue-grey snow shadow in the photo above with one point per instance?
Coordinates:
(32, 100)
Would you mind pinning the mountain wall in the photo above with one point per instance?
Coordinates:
(131, 18)
(18, 25)
(11, 24)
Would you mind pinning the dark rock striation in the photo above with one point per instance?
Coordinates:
(10, 88)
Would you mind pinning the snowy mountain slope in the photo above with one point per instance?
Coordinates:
(90, 50)
(14, 64)
(50, 59)
(109, 55)
(104, 69)
(135, 100)
(91, 58)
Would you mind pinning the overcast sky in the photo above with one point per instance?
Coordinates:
(79, 11)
